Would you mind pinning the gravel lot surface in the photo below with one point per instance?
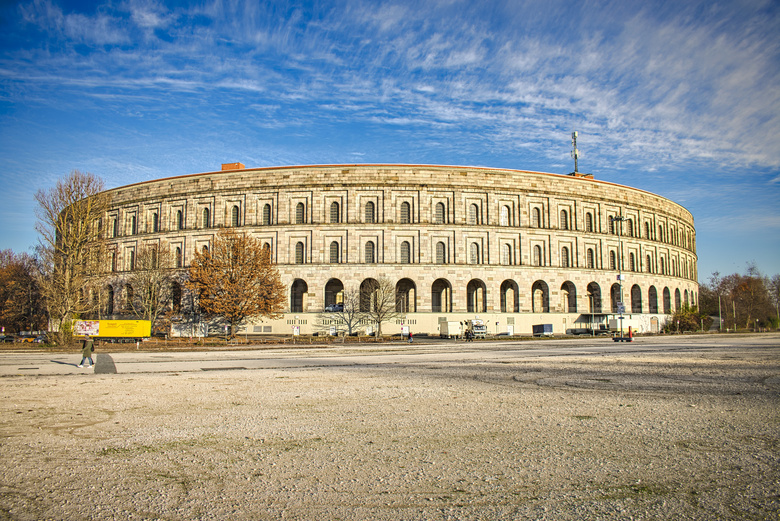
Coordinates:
(676, 434)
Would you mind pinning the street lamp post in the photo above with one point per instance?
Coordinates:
(620, 304)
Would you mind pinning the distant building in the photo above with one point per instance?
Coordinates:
(511, 247)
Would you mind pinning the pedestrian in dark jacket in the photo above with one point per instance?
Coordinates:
(87, 346)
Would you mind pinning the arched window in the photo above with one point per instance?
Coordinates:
(155, 223)
(406, 254)
(647, 230)
(504, 216)
(506, 254)
(131, 260)
(439, 213)
(334, 252)
(113, 261)
(631, 262)
(630, 228)
(537, 255)
(649, 264)
(369, 212)
(612, 261)
(652, 300)
(114, 228)
(205, 249)
(564, 257)
(175, 297)
(536, 218)
(234, 216)
(266, 214)
(335, 216)
(178, 260)
(474, 253)
(369, 254)
(661, 233)
(406, 213)
(667, 298)
(110, 303)
(473, 214)
(441, 253)
(130, 297)
(588, 222)
(589, 260)
(300, 214)
(133, 228)
(206, 218)
(300, 254)
(179, 220)
(611, 225)
(663, 267)
(564, 220)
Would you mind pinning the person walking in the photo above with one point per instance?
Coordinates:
(87, 347)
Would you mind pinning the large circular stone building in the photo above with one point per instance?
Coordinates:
(509, 247)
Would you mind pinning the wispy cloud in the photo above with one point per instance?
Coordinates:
(652, 88)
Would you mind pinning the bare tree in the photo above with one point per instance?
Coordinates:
(235, 279)
(69, 216)
(378, 301)
(347, 318)
(152, 281)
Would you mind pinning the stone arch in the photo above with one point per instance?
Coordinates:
(441, 296)
(368, 289)
(594, 298)
(667, 302)
(568, 297)
(476, 296)
(406, 296)
(510, 297)
(298, 294)
(540, 297)
(615, 297)
(334, 292)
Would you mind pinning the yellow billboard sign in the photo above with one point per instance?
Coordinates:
(113, 328)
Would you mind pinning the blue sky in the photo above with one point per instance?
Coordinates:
(678, 98)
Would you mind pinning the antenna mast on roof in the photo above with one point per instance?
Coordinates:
(574, 153)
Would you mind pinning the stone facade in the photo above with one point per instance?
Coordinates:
(512, 247)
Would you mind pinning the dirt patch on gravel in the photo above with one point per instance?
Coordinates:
(662, 436)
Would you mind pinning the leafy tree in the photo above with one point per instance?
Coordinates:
(745, 299)
(378, 301)
(235, 280)
(688, 319)
(69, 217)
(21, 306)
(152, 281)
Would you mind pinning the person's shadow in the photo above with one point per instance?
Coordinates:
(104, 364)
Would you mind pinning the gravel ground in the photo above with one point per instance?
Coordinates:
(679, 435)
